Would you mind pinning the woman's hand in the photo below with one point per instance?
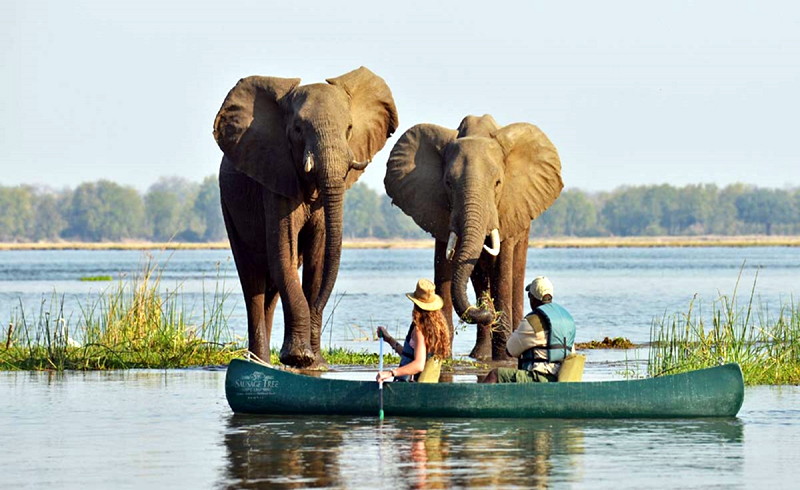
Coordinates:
(384, 375)
(383, 333)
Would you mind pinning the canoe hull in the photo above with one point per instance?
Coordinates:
(712, 392)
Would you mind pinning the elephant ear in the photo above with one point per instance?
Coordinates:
(373, 111)
(532, 176)
(250, 130)
(414, 177)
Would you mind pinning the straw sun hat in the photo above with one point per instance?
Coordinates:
(425, 296)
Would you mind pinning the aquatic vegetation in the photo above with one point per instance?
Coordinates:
(607, 343)
(134, 323)
(338, 355)
(766, 346)
(95, 278)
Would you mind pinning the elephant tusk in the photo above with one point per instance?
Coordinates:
(309, 162)
(451, 246)
(495, 243)
(359, 165)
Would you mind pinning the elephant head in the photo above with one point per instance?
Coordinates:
(465, 185)
(301, 142)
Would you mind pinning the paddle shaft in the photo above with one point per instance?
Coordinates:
(380, 368)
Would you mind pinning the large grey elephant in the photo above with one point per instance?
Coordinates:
(290, 152)
(476, 190)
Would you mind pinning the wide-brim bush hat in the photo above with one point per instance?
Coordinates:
(425, 296)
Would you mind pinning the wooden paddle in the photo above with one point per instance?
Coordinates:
(380, 368)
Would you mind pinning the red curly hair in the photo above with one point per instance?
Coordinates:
(434, 330)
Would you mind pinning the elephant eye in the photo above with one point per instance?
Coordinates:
(497, 184)
(349, 131)
(298, 130)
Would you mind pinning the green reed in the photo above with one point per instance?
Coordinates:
(134, 323)
(765, 344)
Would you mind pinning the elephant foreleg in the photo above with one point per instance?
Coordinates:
(502, 287)
(312, 244)
(270, 304)
(443, 277)
(282, 247)
(502, 281)
(481, 286)
(518, 293)
(252, 268)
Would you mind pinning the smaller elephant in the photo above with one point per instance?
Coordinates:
(476, 190)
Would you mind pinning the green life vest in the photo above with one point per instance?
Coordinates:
(559, 328)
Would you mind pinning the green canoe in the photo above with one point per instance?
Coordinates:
(712, 392)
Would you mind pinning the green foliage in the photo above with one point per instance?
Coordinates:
(17, 215)
(207, 209)
(135, 323)
(573, 214)
(178, 210)
(767, 347)
(169, 204)
(95, 278)
(767, 207)
(105, 211)
(362, 212)
(172, 209)
(368, 214)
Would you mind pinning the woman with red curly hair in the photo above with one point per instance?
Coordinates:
(427, 341)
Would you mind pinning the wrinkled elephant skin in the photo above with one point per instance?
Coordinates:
(290, 153)
(476, 190)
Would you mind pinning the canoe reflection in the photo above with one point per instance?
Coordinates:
(342, 452)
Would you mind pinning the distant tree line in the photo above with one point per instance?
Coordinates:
(659, 210)
(176, 209)
(171, 209)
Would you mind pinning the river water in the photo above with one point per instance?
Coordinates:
(162, 429)
(610, 292)
(173, 429)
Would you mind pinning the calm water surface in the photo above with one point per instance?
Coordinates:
(162, 429)
(610, 292)
(173, 429)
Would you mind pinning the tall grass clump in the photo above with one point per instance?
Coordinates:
(134, 323)
(766, 345)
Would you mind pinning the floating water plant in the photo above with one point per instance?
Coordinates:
(96, 278)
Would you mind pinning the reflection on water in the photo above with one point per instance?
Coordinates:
(334, 452)
(173, 429)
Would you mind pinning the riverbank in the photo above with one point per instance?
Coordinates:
(559, 242)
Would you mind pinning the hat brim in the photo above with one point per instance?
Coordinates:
(434, 305)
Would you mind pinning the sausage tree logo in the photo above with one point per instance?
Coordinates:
(257, 383)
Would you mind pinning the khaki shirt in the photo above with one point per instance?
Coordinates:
(529, 335)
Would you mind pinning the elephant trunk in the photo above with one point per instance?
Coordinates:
(332, 190)
(469, 249)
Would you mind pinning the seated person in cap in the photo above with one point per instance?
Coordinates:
(541, 341)
(427, 341)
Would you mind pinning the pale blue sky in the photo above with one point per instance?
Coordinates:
(630, 92)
